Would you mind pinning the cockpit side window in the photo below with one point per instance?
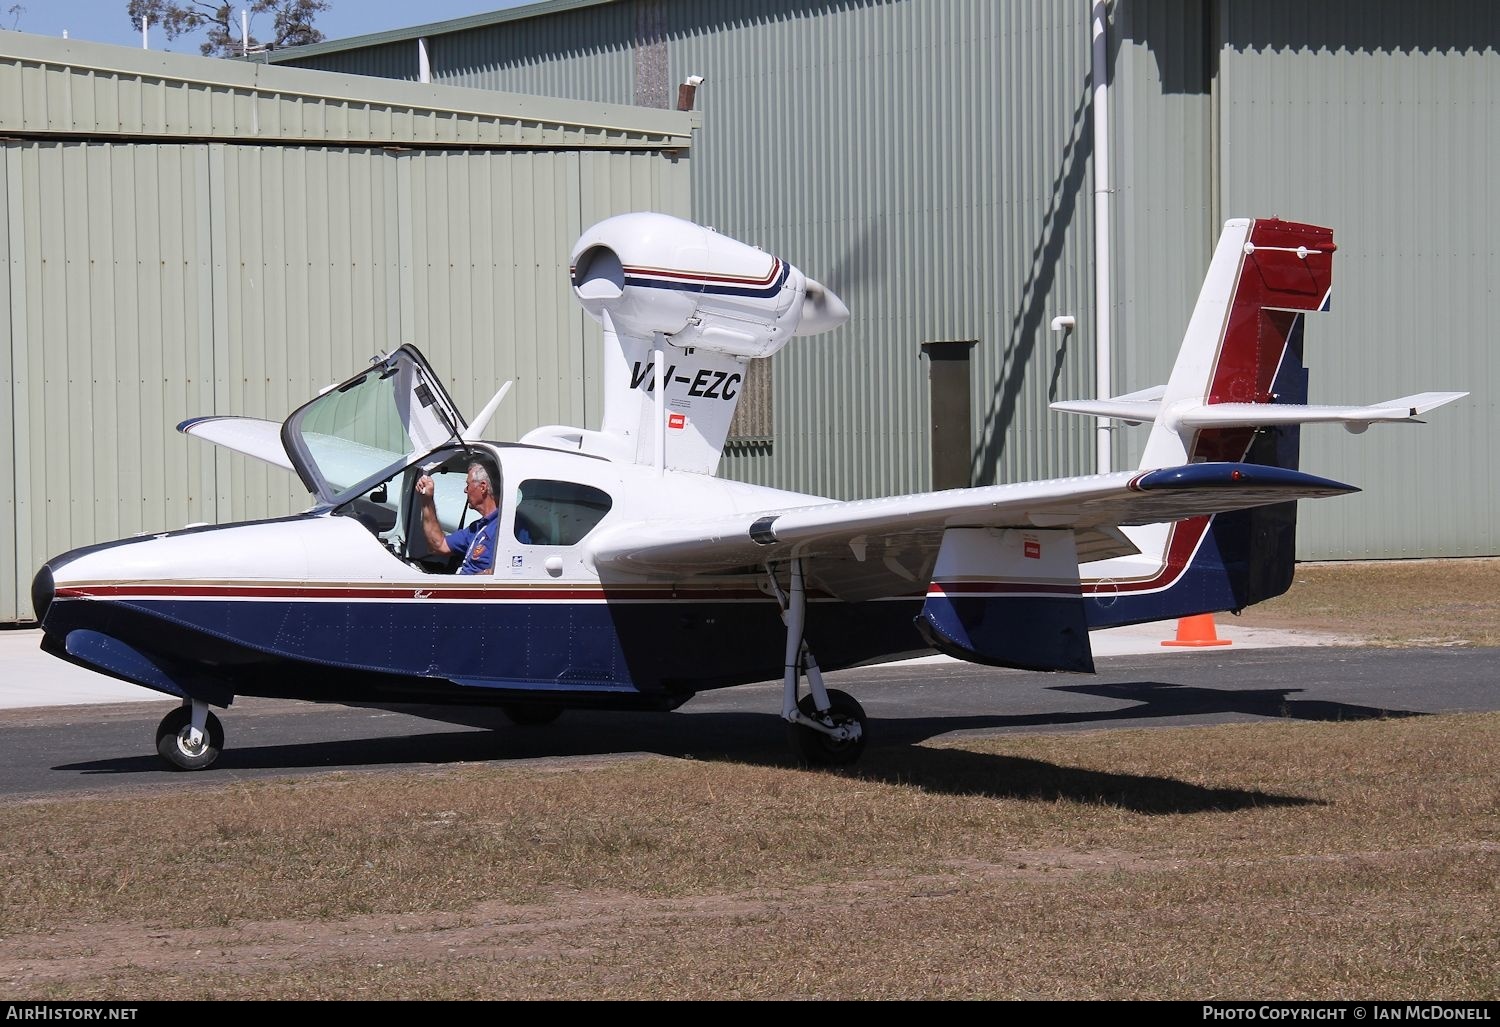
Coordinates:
(557, 513)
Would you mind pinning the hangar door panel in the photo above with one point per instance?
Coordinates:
(309, 291)
(110, 342)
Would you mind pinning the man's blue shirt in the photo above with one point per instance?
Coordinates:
(477, 543)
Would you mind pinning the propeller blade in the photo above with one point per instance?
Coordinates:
(822, 310)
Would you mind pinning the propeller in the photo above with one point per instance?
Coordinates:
(822, 310)
(856, 264)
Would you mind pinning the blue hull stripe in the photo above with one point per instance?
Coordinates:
(642, 653)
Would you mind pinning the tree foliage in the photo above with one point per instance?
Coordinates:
(291, 20)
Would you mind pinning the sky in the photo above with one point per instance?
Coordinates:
(105, 21)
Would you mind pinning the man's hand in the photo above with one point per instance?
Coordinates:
(436, 540)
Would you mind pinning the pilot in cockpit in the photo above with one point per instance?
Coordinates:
(475, 541)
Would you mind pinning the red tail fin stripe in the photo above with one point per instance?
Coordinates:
(1286, 269)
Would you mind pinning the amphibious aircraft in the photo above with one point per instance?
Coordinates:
(628, 576)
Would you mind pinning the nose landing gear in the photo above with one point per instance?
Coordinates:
(190, 737)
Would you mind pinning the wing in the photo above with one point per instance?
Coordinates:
(343, 461)
(249, 435)
(876, 547)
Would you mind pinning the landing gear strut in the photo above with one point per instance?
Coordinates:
(826, 727)
(190, 737)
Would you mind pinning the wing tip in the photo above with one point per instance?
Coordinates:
(186, 427)
(1237, 475)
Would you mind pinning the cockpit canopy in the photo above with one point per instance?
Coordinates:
(370, 427)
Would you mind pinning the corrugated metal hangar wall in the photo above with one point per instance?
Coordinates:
(932, 159)
(186, 236)
(1371, 118)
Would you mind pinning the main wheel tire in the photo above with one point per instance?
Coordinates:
(528, 715)
(172, 744)
(816, 749)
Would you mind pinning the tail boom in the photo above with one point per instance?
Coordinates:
(1243, 349)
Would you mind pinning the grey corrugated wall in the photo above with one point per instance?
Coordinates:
(1162, 176)
(1368, 117)
(931, 157)
(1379, 120)
(391, 60)
(549, 56)
(875, 145)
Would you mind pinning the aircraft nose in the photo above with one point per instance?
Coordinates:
(42, 591)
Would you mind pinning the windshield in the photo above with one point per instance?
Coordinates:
(370, 426)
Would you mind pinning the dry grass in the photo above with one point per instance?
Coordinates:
(1392, 602)
(1269, 860)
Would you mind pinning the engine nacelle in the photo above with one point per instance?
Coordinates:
(684, 310)
(656, 273)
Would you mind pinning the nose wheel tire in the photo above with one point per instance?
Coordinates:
(816, 749)
(174, 746)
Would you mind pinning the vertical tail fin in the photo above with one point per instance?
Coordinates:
(1244, 341)
(1243, 345)
(700, 390)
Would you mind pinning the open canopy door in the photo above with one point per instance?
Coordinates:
(363, 431)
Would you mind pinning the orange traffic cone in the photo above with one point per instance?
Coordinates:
(1197, 631)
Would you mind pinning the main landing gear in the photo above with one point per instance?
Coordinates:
(826, 727)
(190, 737)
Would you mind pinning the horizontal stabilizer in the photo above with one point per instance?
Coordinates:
(1132, 408)
(252, 436)
(1356, 418)
(1143, 406)
(1124, 408)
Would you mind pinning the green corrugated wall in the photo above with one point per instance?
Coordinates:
(148, 280)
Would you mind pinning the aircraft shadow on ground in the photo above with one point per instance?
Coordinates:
(746, 738)
(963, 772)
(1160, 699)
(895, 753)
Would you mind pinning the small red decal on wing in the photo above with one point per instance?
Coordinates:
(676, 420)
(1032, 549)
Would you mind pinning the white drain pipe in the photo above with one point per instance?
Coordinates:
(1103, 371)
